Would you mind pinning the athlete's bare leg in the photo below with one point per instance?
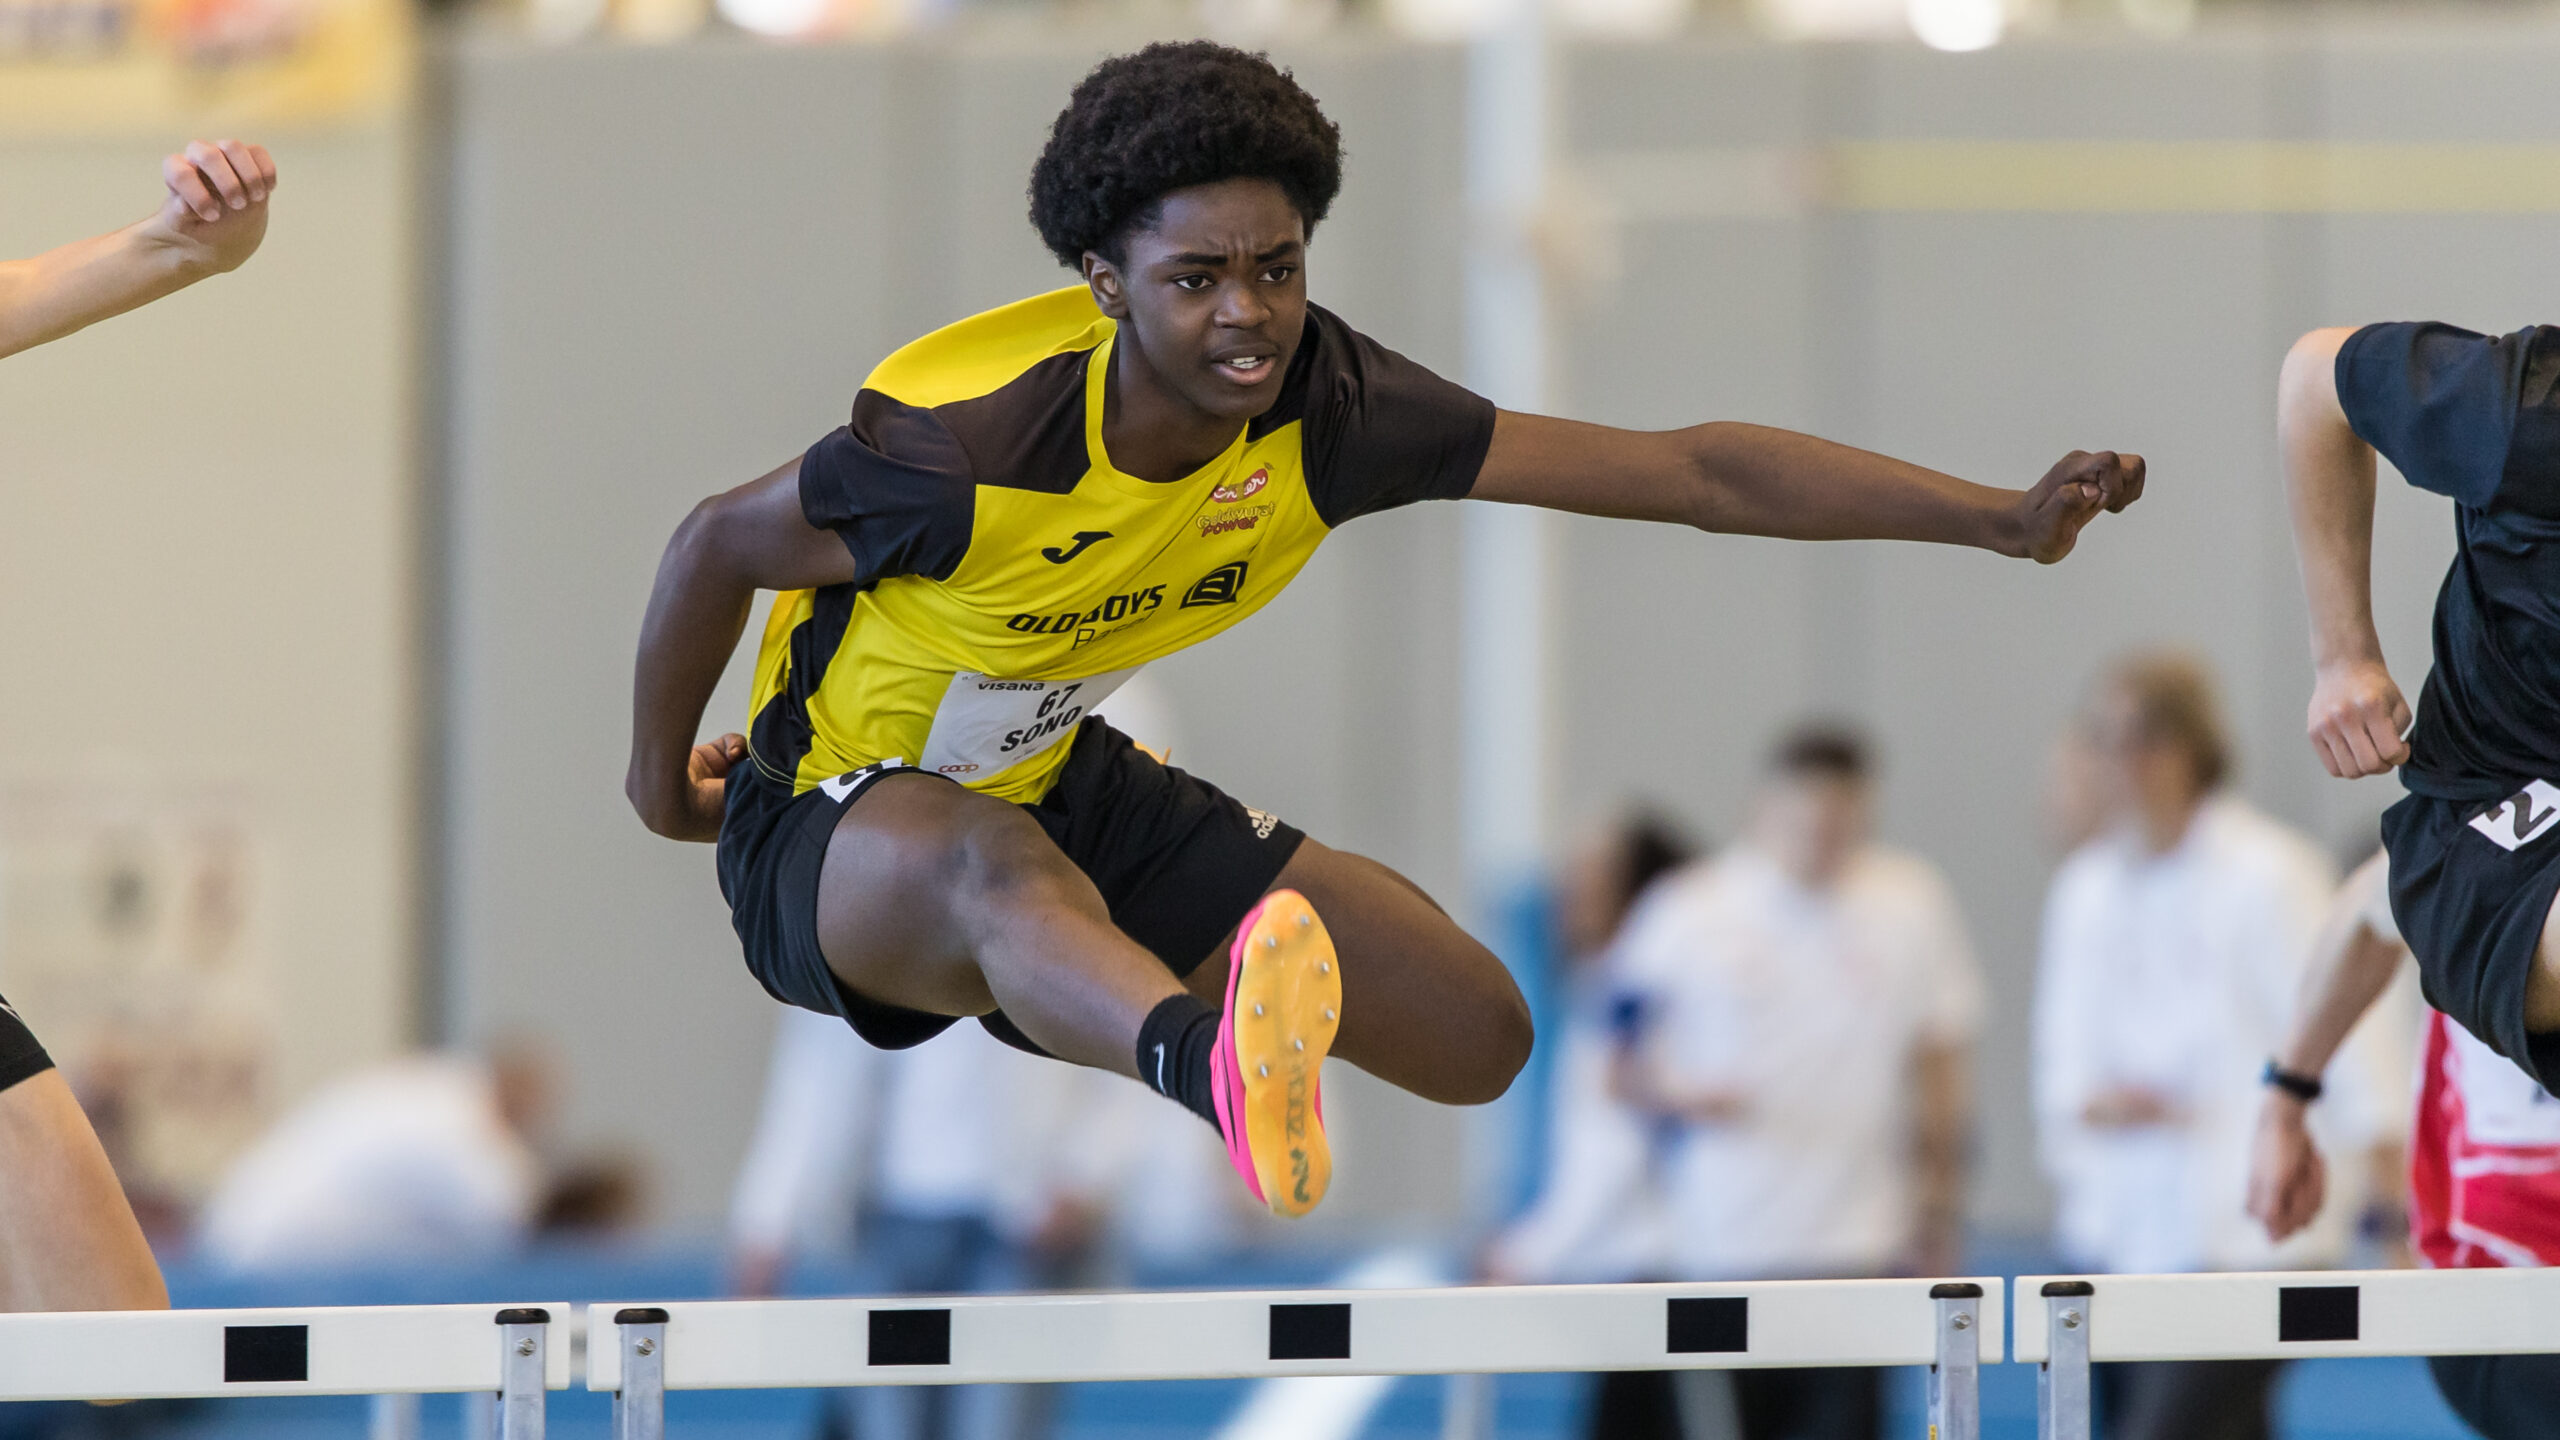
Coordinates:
(2542, 988)
(1424, 1007)
(945, 901)
(68, 1240)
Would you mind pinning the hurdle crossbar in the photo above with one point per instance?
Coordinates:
(648, 1349)
(516, 1352)
(2066, 1322)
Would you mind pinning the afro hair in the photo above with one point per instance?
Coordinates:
(1173, 115)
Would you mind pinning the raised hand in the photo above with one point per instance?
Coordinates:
(2357, 718)
(216, 207)
(2071, 494)
(706, 774)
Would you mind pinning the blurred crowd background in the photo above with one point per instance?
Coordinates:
(1884, 909)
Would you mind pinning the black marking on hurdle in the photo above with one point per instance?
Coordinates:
(1956, 1290)
(910, 1337)
(525, 1315)
(1311, 1332)
(265, 1354)
(641, 1315)
(2316, 1312)
(1708, 1325)
(2057, 1289)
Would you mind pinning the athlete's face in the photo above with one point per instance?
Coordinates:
(1212, 295)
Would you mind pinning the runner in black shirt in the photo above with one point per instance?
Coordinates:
(2474, 862)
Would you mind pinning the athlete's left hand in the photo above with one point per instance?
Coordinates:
(2071, 494)
(2288, 1181)
(694, 812)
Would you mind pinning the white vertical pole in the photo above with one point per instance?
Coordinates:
(1505, 664)
(1507, 732)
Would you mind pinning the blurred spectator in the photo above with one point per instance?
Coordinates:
(427, 1157)
(1801, 1015)
(946, 1169)
(1597, 1218)
(2174, 942)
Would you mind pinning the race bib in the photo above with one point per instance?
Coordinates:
(986, 725)
(2521, 818)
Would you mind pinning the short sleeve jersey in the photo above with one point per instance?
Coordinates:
(2476, 417)
(1008, 577)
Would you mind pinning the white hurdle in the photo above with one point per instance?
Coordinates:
(2066, 1323)
(732, 1345)
(516, 1354)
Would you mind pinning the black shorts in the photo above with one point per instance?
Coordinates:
(2472, 911)
(1177, 859)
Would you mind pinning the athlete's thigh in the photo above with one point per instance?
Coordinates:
(2542, 987)
(1424, 1006)
(911, 867)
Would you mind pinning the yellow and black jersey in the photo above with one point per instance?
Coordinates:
(1008, 577)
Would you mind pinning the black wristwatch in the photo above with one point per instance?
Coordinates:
(2305, 1088)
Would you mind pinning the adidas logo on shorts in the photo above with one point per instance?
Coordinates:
(1264, 822)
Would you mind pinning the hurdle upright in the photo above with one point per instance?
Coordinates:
(1952, 1327)
(517, 1353)
(2067, 1322)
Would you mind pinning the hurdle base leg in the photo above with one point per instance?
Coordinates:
(1955, 1381)
(2062, 1383)
(523, 1373)
(640, 1406)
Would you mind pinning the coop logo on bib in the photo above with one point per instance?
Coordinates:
(985, 725)
(2521, 818)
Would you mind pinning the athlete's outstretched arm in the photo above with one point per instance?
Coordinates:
(752, 538)
(68, 1239)
(2357, 714)
(2351, 965)
(1753, 480)
(211, 220)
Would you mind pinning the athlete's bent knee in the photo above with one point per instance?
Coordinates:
(1496, 1039)
(1505, 1049)
(1002, 861)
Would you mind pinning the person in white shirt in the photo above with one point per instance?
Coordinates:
(421, 1159)
(2173, 948)
(1803, 1013)
(1598, 1217)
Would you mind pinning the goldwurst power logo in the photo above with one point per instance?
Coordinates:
(1222, 521)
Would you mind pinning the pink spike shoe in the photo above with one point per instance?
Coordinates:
(1284, 1003)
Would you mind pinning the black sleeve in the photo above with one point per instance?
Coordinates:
(1383, 431)
(20, 1055)
(2438, 402)
(895, 486)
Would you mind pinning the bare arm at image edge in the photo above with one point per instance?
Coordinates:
(2357, 713)
(211, 219)
(1738, 479)
(68, 1239)
(2351, 965)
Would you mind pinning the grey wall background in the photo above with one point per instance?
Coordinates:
(208, 569)
(669, 269)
